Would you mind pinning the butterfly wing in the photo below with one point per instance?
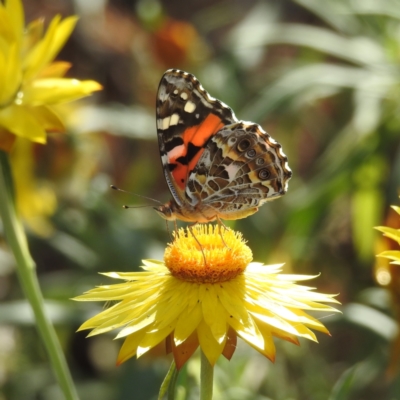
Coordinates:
(187, 116)
(240, 168)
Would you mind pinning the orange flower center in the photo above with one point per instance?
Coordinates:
(207, 254)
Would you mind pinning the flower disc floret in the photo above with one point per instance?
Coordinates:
(207, 254)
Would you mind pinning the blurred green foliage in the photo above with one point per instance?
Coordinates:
(323, 78)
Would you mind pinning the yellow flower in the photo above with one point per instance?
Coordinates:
(388, 274)
(30, 83)
(393, 234)
(35, 200)
(206, 297)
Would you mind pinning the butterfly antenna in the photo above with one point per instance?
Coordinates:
(135, 194)
(139, 206)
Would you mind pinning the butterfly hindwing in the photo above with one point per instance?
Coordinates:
(241, 168)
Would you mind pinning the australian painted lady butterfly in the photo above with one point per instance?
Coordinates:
(216, 166)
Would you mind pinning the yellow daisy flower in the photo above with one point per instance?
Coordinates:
(30, 83)
(394, 234)
(387, 273)
(206, 297)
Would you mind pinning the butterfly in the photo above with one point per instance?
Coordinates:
(216, 166)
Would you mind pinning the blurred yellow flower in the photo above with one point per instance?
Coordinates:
(388, 274)
(30, 83)
(190, 302)
(35, 200)
(394, 234)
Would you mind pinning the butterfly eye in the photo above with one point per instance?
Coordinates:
(243, 145)
(251, 153)
(264, 174)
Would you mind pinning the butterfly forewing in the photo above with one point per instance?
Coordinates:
(187, 116)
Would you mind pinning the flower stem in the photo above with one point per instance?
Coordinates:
(169, 383)
(26, 270)
(206, 378)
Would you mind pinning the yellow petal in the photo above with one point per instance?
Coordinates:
(231, 296)
(55, 70)
(249, 333)
(33, 34)
(211, 348)
(144, 322)
(45, 50)
(304, 332)
(187, 322)
(10, 74)
(277, 322)
(130, 346)
(215, 315)
(48, 119)
(152, 339)
(268, 349)
(390, 254)
(62, 34)
(57, 90)
(396, 208)
(103, 326)
(6, 28)
(20, 121)
(16, 14)
(390, 232)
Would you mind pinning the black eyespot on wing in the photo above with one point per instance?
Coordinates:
(264, 174)
(251, 153)
(260, 161)
(243, 145)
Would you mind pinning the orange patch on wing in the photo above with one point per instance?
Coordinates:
(197, 135)
(179, 174)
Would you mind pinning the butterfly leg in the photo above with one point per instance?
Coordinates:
(220, 225)
(169, 232)
(190, 227)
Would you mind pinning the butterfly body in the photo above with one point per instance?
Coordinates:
(216, 166)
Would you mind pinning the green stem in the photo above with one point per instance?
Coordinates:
(26, 270)
(206, 378)
(169, 383)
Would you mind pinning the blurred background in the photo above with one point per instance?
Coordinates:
(323, 78)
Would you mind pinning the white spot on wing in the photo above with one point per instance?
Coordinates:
(232, 170)
(184, 96)
(176, 152)
(162, 93)
(164, 159)
(190, 107)
(174, 119)
(165, 123)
